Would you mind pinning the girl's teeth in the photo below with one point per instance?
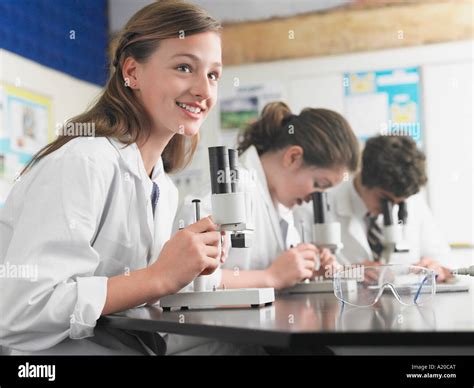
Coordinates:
(190, 108)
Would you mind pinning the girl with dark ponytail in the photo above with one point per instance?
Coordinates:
(292, 156)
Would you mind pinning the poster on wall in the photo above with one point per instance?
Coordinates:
(385, 102)
(25, 127)
(244, 106)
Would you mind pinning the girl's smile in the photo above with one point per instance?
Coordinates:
(178, 83)
(192, 109)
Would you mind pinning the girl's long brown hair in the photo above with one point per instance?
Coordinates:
(118, 113)
(326, 137)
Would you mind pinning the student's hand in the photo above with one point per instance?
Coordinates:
(443, 273)
(292, 266)
(370, 275)
(190, 252)
(328, 264)
(225, 242)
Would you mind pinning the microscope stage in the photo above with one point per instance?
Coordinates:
(318, 286)
(243, 297)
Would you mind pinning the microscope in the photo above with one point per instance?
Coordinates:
(231, 204)
(394, 233)
(325, 234)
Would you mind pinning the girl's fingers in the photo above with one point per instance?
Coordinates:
(325, 252)
(328, 261)
(307, 247)
(307, 274)
(210, 238)
(308, 255)
(203, 225)
(309, 264)
(371, 275)
(211, 266)
(212, 251)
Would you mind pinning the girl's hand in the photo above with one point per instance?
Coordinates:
(292, 266)
(328, 264)
(191, 252)
(370, 275)
(443, 273)
(224, 243)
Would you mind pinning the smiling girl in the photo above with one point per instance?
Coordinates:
(94, 215)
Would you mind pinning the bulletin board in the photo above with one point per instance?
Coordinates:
(384, 102)
(25, 127)
(243, 106)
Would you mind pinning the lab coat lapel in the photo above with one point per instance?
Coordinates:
(355, 227)
(356, 230)
(133, 163)
(251, 161)
(165, 209)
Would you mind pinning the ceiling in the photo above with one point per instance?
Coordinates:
(228, 10)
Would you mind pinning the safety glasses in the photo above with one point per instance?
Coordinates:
(411, 285)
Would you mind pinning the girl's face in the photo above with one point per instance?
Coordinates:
(178, 83)
(294, 181)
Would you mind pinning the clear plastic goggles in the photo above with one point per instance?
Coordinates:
(363, 286)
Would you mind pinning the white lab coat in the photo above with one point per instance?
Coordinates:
(81, 215)
(422, 233)
(268, 242)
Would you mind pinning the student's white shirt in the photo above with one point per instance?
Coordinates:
(289, 229)
(422, 232)
(80, 216)
(274, 229)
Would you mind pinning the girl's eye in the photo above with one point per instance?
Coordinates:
(213, 76)
(184, 68)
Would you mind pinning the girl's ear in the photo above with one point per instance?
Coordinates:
(129, 71)
(293, 156)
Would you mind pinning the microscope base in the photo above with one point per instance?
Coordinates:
(244, 297)
(318, 287)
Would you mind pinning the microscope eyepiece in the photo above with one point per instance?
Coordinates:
(320, 207)
(402, 212)
(219, 170)
(387, 207)
(234, 171)
(197, 209)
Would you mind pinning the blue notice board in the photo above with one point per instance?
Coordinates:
(384, 102)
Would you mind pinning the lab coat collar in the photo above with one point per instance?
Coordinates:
(358, 206)
(158, 170)
(131, 156)
(344, 200)
(251, 161)
(134, 162)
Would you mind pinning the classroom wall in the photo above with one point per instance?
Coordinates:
(446, 71)
(69, 95)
